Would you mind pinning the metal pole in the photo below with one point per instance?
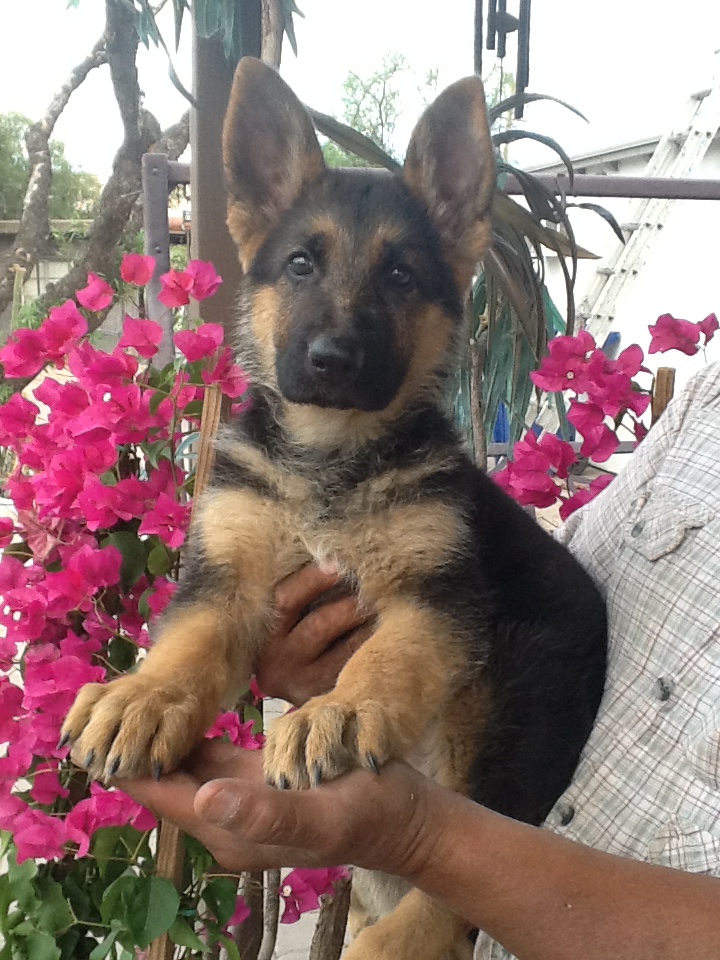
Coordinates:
(589, 185)
(157, 244)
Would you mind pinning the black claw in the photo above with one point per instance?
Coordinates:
(63, 741)
(115, 766)
(317, 775)
(372, 762)
(283, 782)
(157, 769)
(89, 760)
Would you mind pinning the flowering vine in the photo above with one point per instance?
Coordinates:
(102, 494)
(604, 398)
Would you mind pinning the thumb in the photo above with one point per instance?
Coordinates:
(261, 814)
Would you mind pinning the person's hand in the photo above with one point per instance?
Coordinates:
(317, 628)
(221, 798)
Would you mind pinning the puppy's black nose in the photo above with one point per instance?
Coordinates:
(334, 357)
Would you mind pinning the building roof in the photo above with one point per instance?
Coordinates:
(611, 154)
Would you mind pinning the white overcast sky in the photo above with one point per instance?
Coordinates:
(627, 64)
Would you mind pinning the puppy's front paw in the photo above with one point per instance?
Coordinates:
(327, 738)
(132, 727)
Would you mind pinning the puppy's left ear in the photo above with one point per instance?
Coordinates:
(450, 166)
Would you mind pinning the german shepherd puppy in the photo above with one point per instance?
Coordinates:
(487, 661)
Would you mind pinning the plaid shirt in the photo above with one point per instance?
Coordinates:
(648, 783)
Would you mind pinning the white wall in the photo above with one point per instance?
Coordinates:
(682, 272)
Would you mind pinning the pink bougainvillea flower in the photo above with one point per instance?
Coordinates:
(630, 360)
(136, 268)
(168, 520)
(302, 889)
(240, 734)
(176, 287)
(205, 280)
(37, 835)
(640, 430)
(708, 327)
(107, 808)
(46, 787)
(230, 377)
(566, 358)
(240, 914)
(585, 495)
(528, 478)
(669, 333)
(200, 343)
(17, 419)
(61, 331)
(24, 353)
(97, 295)
(144, 336)
(163, 589)
(600, 442)
(7, 531)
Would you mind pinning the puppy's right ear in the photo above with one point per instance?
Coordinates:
(270, 152)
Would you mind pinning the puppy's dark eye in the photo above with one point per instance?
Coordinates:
(401, 276)
(300, 265)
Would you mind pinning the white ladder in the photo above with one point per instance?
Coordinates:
(676, 155)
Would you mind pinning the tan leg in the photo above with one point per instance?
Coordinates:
(418, 929)
(147, 722)
(385, 697)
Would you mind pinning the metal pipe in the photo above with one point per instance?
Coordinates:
(589, 185)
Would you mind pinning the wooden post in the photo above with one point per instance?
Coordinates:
(663, 391)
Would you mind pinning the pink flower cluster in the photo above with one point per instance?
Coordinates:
(604, 390)
(669, 333)
(96, 474)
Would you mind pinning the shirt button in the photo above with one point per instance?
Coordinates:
(664, 688)
(567, 814)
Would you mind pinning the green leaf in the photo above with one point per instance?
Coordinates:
(122, 654)
(21, 877)
(147, 906)
(104, 844)
(157, 913)
(143, 604)
(182, 934)
(53, 915)
(159, 560)
(133, 555)
(252, 713)
(221, 895)
(104, 948)
(231, 948)
(37, 946)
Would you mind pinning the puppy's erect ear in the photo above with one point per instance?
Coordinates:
(450, 166)
(270, 152)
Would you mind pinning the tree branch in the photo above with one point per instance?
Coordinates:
(34, 229)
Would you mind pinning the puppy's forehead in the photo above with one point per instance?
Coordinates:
(370, 210)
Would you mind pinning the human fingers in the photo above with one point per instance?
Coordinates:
(173, 799)
(361, 818)
(296, 592)
(314, 652)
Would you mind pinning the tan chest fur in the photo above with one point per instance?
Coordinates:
(379, 535)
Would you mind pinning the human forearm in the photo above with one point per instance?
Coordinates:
(546, 898)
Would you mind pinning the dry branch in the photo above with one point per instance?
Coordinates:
(34, 230)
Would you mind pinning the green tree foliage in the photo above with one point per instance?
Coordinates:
(74, 192)
(372, 106)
